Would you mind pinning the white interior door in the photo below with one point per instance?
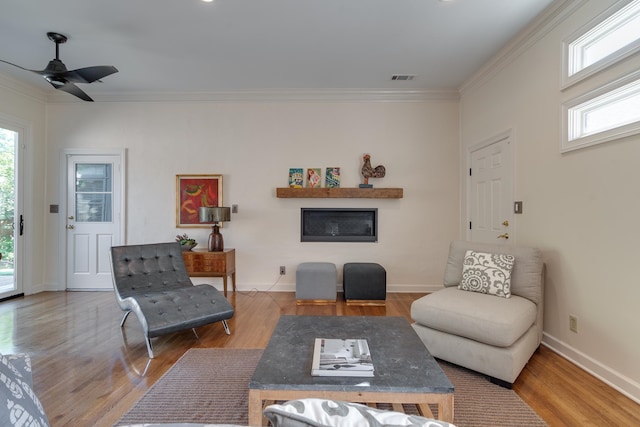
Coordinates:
(93, 219)
(491, 191)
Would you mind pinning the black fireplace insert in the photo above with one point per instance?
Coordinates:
(338, 225)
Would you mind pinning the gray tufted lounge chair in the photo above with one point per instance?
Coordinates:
(152, 282)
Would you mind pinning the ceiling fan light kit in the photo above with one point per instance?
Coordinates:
(59, 77)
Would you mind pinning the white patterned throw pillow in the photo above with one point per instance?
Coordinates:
(19, 405)
(487, 273)
(332, 413)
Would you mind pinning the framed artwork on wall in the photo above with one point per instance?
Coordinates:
(193, 192)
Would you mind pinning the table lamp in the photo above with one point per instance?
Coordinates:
(214, 215)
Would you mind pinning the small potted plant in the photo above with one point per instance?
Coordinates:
(186, 243)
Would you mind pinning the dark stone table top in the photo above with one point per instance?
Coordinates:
(401, 361)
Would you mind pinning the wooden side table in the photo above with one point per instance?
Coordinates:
(202, 263)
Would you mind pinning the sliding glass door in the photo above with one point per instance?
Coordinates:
(11, 219)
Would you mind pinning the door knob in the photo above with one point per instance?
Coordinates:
(70, 217)
(70, 227)
(505, 222)
(504, 236)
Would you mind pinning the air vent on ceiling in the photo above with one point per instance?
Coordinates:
(403, 77)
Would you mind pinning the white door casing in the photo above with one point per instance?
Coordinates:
(490, 190)
(93, 219)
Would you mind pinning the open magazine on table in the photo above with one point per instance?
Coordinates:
(334, 357)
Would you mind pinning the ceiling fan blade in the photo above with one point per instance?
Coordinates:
(54, 68)
(72, 89)
(16, 65)
(88, 74)
(50, 74)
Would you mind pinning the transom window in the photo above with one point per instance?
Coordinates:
(610, 38)
(612, 110)
(603, 115)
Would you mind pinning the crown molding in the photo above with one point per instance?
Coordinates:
(548, 20)
(284, 95)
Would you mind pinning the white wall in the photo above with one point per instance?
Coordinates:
(26, 108)
(581, 207)
(253, 145)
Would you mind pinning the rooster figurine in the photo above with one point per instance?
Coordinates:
(370, 172)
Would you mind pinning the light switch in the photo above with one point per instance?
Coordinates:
(517, 207)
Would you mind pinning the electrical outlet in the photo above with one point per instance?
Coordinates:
(573, 324)
(283, 271)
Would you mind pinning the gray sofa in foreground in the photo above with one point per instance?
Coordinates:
(491, 334)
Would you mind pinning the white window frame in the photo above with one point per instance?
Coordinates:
(603, 25)
(573, 113)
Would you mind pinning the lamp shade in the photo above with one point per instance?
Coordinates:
(215, 214)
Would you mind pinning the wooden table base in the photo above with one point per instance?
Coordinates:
(258, 399)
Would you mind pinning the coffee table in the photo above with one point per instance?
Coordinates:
(405, 372)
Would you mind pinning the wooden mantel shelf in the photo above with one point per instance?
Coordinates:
(336, 193)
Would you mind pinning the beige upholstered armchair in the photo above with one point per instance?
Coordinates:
(494, 333)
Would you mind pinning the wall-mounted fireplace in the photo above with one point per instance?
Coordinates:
(338, 225)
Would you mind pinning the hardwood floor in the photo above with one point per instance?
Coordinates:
(88, 371)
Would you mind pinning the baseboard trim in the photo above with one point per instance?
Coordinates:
(10, 297)
(413, 288)
(291, 287)
(624, 385)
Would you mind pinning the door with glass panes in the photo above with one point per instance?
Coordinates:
(93, 215)
(11, 212)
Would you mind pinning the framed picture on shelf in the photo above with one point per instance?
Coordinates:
(296, 178)
(193, 192)
(332, 178)
(314, 178)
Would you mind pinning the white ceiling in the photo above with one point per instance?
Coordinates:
(257, 45)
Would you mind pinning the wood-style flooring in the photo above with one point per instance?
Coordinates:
(88, 371)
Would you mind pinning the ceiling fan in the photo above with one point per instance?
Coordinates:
(60, 78)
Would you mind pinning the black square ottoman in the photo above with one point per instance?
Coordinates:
(365, 283)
